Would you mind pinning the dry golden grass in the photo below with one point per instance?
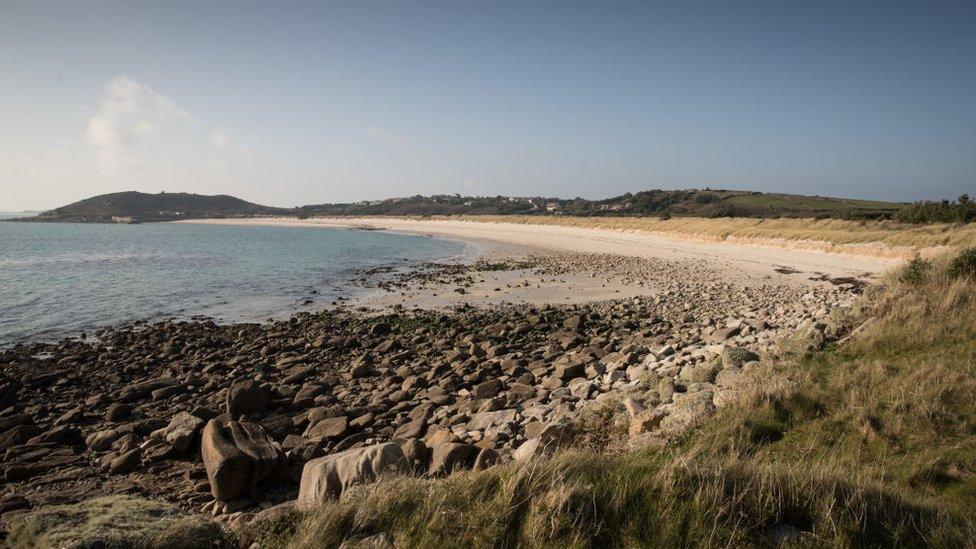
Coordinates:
(884, 238)
(115, 521)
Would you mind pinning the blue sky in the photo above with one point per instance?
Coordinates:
(291, 103)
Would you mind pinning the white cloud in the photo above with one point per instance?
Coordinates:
(227, 142)
(127, 113)
(219, 139)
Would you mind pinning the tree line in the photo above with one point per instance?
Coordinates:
(961, 210)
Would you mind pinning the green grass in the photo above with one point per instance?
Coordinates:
(791, 203)
(869, 443)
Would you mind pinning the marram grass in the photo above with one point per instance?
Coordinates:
(881, 238)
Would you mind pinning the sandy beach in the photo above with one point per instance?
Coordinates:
(606, 264)
(746, 260)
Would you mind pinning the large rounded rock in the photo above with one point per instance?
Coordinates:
(417, 454)
(328, 477)
(328, 428)
(245, 397)
(687, 411)
(181, 431)
(237, 455)
(451, 457)
(553, 437)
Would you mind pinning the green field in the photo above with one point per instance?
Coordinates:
(792, 205)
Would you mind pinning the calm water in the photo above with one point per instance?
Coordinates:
(58, 279)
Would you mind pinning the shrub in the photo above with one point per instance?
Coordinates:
(962, 210)
(915, 271)
(706, 198)
(964, 264)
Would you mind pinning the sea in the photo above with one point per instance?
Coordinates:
(63, 279)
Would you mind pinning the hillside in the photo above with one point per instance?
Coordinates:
(138, 207)
(698, 203)
(689, 203)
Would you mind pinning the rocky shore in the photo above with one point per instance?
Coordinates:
(246, 419)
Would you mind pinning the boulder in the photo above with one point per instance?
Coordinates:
(436, 437)
(328, 428)
(125, 463)
(414, 428)
(181, 431)
(730, 377)
(17, 435)
(574, 323)
(688, 410)
(237, 455)
(723, 334)
(487, 389)
(13, 420)
(117, 411)
(101, 440)
(487, 457)
(725, 397)
(62, 434)
(570, 370)
(808, 337)
(245, 397)
(484, 420)
(553, 436)
(645, 421)
(417, 454)
(328, 477)
(528, 450)
(581, 390)
(454, 456)
(8, 395)
(361, 369)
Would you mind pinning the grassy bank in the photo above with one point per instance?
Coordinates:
(871, 441)
(872, 237)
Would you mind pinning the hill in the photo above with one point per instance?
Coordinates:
(690, 203)
(132, 206)
(708, 203)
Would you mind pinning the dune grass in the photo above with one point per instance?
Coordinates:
(874, 237)
(869, 442)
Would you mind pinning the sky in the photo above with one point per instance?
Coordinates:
(290, 103)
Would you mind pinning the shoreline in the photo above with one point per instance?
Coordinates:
(458, 365)
(756, 259)
(739, 263)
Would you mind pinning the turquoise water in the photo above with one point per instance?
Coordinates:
(59, 279)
